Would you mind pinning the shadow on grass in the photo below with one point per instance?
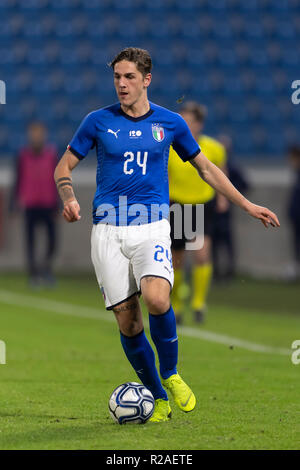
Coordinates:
(56, 435)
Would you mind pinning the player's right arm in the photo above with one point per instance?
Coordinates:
(82, 142)
(63, 180)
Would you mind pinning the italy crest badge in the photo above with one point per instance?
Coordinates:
(158, 132)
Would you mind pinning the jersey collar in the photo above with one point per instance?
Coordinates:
(136, 119)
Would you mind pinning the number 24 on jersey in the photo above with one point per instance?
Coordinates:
(141, 162)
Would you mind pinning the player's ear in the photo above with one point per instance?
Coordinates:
(147, 80)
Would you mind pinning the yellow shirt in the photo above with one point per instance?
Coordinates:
(186, 186)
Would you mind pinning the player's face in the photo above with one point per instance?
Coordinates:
(130, 84)
(194, 125)
(37, 135)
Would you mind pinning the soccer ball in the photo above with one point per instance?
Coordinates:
(131, 403)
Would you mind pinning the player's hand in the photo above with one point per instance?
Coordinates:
(266, 216)
(71, 211)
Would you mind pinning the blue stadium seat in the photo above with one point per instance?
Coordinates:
(221, 29)
(33, 6)
(264, 86)
(275, 141)
(259, 56)
(169, 87)
(63, 29)
(233, 86)
(200, 87)
(280, 6)
(4, 138)
(247, 7)
(80, 25)
(221, 107)
(190, 31)
(253, 29)
(242, 140)
(163, 57)
(291, 56)
(228, 58)
(94, 6)
(186, 5)
(195, 58)
(211, 52)
(291, 135)
(259, 135)
(65, 5)
(270, 113)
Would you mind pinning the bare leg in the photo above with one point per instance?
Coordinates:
(156, 294)
(129, 317)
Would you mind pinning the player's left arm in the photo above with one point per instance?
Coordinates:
(219, 181)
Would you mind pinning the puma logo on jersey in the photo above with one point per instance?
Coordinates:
(114, 133)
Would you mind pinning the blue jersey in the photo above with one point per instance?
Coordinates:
(132, 154)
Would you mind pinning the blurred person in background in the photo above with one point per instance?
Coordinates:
(294, 209)
(35, 193)
(187, 188)
(222, 230)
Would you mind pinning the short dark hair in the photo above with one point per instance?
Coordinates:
(198, 110)
(140, 57)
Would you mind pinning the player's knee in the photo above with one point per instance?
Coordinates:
(131, 328)
(157, 304)
(156, 295)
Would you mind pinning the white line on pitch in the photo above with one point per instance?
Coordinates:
(63, 308)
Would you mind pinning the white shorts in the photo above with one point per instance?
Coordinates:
(122, 256)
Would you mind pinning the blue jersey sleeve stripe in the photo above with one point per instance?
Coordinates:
(77, 154)
(193, 155)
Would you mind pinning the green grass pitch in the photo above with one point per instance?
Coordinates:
(63, 362)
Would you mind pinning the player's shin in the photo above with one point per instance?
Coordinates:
(142, 358)
(164, 335)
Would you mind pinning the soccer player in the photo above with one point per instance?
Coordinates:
(131, 234)
(186, 188)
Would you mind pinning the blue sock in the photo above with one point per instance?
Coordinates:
(164, 335)
(142, 358)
